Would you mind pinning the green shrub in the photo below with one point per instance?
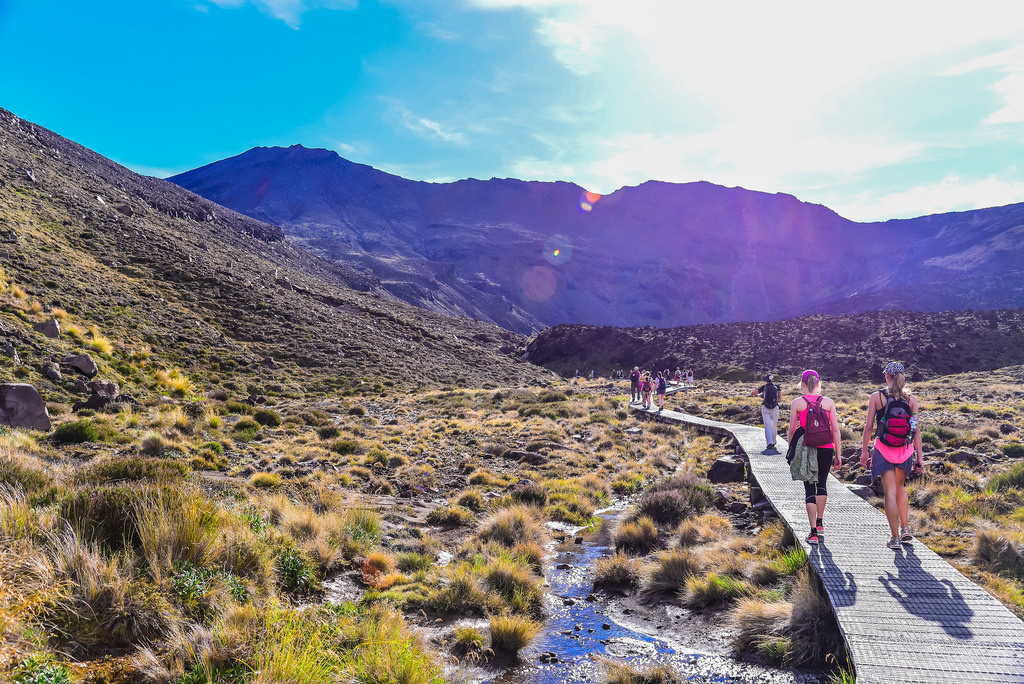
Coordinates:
(214, 447)
(1014, 477)
(239, 408)
(1013, 450)
(344, 447)
(246, 424)
(295, 571)
(267, 418)
(328, 432)
(943, 433)
(76, 432)
(40, 669)
(932, 438)
(357, 411)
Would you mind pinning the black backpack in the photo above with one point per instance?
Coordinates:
(894, 427)
(771, 396)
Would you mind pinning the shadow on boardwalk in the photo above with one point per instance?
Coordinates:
(921, 594)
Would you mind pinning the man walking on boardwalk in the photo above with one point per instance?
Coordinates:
(634, 385)
(771, 394)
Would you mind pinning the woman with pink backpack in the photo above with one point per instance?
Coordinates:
(646, 387)
(892, 454)
(814, 416)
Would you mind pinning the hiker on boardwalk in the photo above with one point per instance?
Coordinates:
(820, 433)
(634, 385)
(771, 398)
(646, 387)
(679, 377)
(891, 456)
(661, 384)
(689, 378)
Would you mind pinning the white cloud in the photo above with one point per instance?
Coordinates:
(951, 194)
(437, 32)
(289, 11)
(422, 125)
(728, 156)
(1010, 87)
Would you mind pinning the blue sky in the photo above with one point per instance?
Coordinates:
(876, 109)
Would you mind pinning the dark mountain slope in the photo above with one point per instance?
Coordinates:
(657, 254)
(207, 288)
(851, 347)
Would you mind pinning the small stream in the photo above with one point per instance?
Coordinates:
(579, 628)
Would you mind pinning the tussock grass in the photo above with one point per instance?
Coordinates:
(618, 570)
(513, 633)
(512, 526)
(639, 536)
(672, 569)
(713, 590)
(451, 516)
(1000, 552)
(627, 673)
(703, 529)
(815, 638)
(764, 626)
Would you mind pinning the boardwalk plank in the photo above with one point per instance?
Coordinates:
(906, 616)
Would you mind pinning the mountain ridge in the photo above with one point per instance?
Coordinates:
(659, 253)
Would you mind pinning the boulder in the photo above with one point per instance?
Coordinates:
(971, 458)
(50, 328)
(82, 363)
(80, 386)
(12, 352)
(21, 406)
(268, 362)
(728, 469)
(103, 392)
(53, 372)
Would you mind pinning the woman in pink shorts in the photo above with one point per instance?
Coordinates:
(891, 456)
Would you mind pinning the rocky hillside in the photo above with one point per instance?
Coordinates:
(527, 255)
(171, 280)
(852, 347)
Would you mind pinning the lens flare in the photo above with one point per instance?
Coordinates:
(588, 199)
(557, 250)
(539, 283)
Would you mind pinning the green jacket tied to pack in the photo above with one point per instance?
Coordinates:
(804, 465)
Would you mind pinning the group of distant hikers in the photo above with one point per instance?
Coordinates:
(890, 440)
(814, 444)
(642, 384)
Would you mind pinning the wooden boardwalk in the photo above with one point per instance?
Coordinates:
(906, 616)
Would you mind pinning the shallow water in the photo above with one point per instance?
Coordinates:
(579, 630)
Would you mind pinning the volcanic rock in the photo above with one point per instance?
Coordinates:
(82, 363)
(21, 406)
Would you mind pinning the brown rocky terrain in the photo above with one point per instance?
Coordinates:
(173, 276)
(851, 347)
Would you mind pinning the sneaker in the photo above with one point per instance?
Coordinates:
(772, 445)
(894, 543)
(812, 538)
(905, 534)
(821, 531)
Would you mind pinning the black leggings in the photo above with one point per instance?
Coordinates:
(816, 489)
